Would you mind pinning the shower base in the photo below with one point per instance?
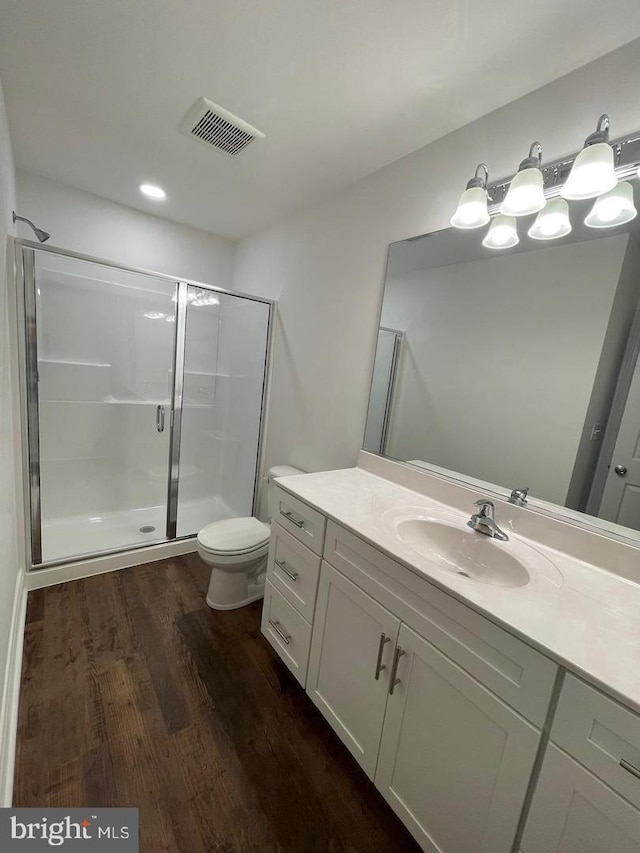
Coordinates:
(80, 535)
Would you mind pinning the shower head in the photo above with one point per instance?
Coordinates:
(40, 234)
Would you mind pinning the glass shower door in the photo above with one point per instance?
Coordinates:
(224, 372)
(100, 344)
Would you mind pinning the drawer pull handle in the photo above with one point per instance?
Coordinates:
(286, 638)
(630, 768)
(393, 682)
(379, 665)
(282, 565)
(288, 514)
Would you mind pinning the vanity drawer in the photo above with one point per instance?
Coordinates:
(600, 733)
(287, 631)
(299, 519)
(520, 675)
(293, 570)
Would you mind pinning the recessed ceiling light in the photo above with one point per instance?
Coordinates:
(152, 191)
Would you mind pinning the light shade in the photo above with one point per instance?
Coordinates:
(502, 234)
(552, 222)
(526, 191)
(592, 174)
(613, 208)
(472, 209)
(525, 194)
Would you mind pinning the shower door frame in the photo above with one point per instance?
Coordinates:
(26, 285)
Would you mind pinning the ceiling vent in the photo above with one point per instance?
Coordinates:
(215, 127)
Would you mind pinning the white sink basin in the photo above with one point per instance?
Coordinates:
(445, 540)
(463, 551)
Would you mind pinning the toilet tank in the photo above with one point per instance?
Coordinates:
(272, 473)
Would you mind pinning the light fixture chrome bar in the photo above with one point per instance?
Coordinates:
(176, 409)
(626, 152)
(33, 416)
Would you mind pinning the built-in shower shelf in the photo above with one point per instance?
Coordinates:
(73, 363)
(129, 403)
(206, 373)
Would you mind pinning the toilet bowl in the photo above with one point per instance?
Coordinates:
(237, 549)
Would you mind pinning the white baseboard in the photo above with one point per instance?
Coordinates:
(10, 698)
(39, 578)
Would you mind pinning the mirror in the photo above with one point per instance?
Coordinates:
(517, 367)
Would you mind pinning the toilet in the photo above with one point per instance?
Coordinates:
(236, 549)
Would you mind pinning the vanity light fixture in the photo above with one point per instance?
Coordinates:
(593, 171)
(503, 233)
(613, 208)
(472, 208)
(526, 192)
(153, 191)
(552, 222)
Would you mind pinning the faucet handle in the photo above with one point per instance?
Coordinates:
(519, 496)
(487, 507)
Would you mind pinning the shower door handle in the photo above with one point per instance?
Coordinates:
(160, 418)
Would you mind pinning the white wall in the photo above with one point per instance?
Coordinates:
(11, 531)
(91, 225)
(325, 265)
(497, 365)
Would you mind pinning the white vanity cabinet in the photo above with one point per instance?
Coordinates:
(455, 760)
(293, 567)
(443, 709)
(587, 799)
(451, 758)
(575, 812)
(354, 641)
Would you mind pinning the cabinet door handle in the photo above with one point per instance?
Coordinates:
(393, 681)
(282, 565)
(286, 638)
(630, 768)
(288, 514)
(379, 665)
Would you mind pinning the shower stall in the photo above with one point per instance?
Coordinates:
(142, 399)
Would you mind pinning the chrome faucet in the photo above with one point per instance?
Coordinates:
(484, 522)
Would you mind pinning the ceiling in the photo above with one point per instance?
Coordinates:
(95, 89)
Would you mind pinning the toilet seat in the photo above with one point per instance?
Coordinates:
(235, 537)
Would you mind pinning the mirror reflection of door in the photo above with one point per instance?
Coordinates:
(384, 371)
(621, 494)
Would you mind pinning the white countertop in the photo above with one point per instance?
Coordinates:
(588, 621)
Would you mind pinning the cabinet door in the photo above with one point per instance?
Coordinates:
(574, 812)
(352, 648)
(455, 761)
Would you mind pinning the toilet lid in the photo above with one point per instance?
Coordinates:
(234, 535)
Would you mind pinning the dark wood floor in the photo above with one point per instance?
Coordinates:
(135, 693)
